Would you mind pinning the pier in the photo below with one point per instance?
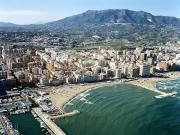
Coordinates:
(46, 119)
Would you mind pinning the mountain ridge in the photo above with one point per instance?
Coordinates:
(7, 24)
(114, 24)
(109, 16)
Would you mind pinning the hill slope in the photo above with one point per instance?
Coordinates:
(115, 24)
(7, 24)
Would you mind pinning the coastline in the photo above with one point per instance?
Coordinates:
(62, 95)
(150, 83)
(103, 84)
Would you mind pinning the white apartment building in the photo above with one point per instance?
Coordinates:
(144, 70)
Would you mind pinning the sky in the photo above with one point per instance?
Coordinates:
(41, 11)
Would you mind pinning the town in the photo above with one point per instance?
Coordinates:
(28, 74)
(56, 66)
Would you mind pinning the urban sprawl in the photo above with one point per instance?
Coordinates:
(55, 66)
(26, 72)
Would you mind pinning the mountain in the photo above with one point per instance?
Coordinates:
(135, 26)
(113, 17)
(116, 24)
(7, 24)
(103, 17)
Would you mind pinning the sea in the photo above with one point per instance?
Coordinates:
(122, 109)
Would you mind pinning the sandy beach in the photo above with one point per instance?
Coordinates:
(63, 94)
(149, 83)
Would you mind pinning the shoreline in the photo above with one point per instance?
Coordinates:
(61, 96)
(150, 83)
(104, 84)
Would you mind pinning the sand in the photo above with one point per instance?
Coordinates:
(149, 83)
(63, 94)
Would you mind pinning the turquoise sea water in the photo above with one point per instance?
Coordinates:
(124, 110)
(169, 86)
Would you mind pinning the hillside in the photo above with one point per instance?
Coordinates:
(115, 24)
(113, 17)
(7, 24)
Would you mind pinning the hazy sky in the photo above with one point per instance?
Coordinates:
(35, 11)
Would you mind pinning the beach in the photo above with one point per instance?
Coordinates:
(63, 94)
(123, 109)
(149, 83)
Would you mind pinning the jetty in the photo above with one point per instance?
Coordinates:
(75, 112)
(47, 120)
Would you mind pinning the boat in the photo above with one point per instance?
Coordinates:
(166, 95)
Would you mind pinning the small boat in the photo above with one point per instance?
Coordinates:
(166, 95)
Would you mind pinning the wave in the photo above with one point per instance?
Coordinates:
(85, 94)
(69, 103)
(88, 102)
(83, 99)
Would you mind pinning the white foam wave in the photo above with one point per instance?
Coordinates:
(84, 94)
(69, 103)
(88, 102)
(83, 99)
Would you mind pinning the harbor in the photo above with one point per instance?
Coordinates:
(46, 111)
(38, 103)
(14, 103)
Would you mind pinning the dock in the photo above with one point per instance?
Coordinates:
(46, 119)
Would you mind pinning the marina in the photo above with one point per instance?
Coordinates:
(18, 107)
